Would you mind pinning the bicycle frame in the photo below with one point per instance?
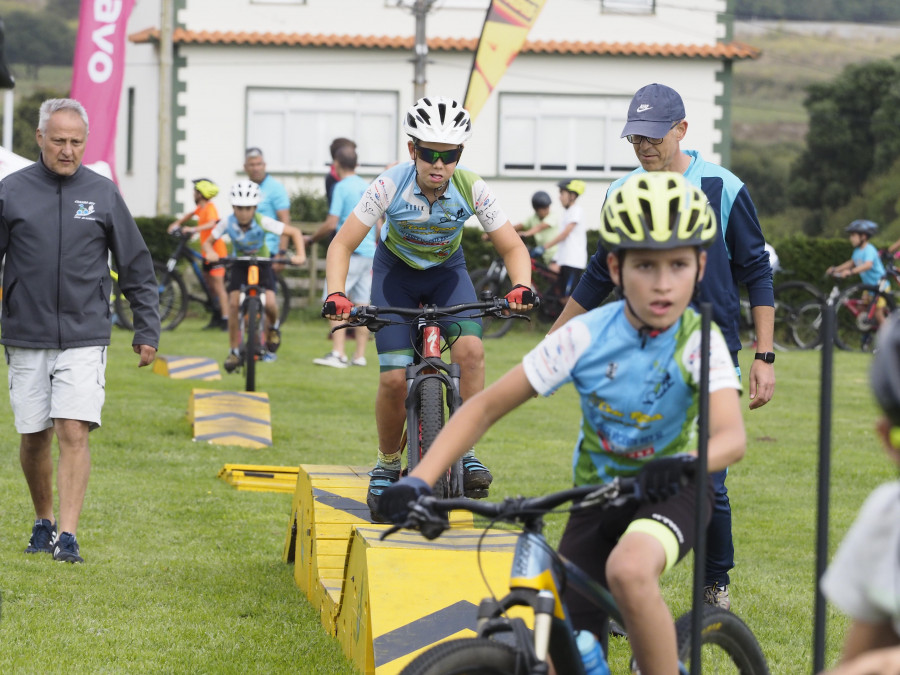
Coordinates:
(195, 259)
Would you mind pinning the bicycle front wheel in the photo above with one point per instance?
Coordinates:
(727, 645)
(252, 317)
(468, 656)
(806, 327)
(173, 299)
(856, 317)
(790, 297)
(491, 326)
(431, 420)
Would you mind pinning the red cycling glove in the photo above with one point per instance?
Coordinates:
(521, 294)
(336, 304)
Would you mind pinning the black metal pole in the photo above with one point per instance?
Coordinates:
(701, 512)
(828, 329)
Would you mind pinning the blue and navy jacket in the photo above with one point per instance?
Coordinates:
(737, 257)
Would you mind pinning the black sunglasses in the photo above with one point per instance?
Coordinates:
(432, 156)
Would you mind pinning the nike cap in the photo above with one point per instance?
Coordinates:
(652, 111)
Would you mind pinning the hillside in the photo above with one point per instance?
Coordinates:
(769, 92)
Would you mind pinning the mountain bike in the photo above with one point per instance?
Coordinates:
(174, 296)
(432, 384)
(252, 316)
(790, 296)
(496, 281)
(505, 644)
(855, 318)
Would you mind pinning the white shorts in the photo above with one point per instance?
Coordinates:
(50, 384)
(359, 280)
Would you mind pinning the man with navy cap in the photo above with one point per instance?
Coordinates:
(655, 128)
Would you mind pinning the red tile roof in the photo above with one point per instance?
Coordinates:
(730, 50)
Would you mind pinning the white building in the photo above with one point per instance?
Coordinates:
(291, 75)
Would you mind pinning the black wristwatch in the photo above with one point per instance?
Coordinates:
(768, 357)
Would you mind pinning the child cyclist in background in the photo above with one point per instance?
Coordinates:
(862, 580)
(571, 241)
(207, 216)
(636, 366)
(865, 262)
(247, 230)
(425, 203)
(543, 226)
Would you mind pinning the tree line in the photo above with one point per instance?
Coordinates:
(857, 11)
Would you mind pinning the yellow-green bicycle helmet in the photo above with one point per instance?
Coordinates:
(657, 210)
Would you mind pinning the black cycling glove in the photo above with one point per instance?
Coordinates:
(662, 478)
(393, 505)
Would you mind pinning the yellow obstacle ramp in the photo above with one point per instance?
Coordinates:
(231, 417)
(405, 594)
(186, 367)
(260, 478)
(329, 501)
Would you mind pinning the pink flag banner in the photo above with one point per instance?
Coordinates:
(98, 68)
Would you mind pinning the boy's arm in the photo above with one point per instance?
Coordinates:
(727, 439)
(835, 269)
(510, 247)
(299, 248)
(337, 261)
(208, 251)
(540, 227)
(563, 233)
(175, 224)
(864, 637)
(330, 225)
(471, 421)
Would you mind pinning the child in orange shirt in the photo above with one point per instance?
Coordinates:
(207, 216)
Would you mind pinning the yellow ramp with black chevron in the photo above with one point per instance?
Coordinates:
(186, 367)
(405, 594)
(231, 417)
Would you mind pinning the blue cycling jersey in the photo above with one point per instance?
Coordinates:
(639, 396)
(420, 233)
(252, 240)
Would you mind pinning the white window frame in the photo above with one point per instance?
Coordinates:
(278, 2)
(545, 135)
(627, 6)
(295, 127)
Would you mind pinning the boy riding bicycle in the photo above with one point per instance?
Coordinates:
(425, 203)
(543, 226)
(865, 261)
(207, 216)
(636, 366)
(247, 230)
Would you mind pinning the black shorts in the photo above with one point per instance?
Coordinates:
(591, 535)
(238, 276)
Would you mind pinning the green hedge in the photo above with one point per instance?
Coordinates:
(154, 232)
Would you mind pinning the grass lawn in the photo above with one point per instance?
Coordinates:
(184, 573)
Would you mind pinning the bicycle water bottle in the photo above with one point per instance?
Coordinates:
(591, 653)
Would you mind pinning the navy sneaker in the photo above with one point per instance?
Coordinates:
(66, 549)
(476, 478)
(43, 536)
(380, 479)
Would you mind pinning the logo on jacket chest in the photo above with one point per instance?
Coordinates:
(84, 209)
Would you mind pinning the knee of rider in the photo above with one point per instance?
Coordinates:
(469, 354)
(629, 574)
(393, 383)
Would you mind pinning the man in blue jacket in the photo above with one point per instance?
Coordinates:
(656, 126)
(58, 222)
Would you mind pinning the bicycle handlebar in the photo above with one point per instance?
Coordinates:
(230, 260)
(428, 514)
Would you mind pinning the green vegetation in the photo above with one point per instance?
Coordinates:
(184, 572)
(861, 11)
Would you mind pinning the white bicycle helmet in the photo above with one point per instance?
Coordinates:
(438, 120)
(245, 193)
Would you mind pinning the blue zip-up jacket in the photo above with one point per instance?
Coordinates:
(56, 233)
(738, 256)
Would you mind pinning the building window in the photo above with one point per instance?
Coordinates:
(295, 127)
(563, 135)
(277, 2)
(628, 6)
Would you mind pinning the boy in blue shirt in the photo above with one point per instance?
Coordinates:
(636, 366)
(864, 261)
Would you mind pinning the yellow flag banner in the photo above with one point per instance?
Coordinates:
(505, 29)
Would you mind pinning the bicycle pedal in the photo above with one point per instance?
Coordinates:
(477, 494)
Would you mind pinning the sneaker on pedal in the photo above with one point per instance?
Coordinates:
(43, 536)
(66, 549)
(233, 362)
(333, 360)
(717, 596)
(273, 340)
(476, 478)
(380, 479)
